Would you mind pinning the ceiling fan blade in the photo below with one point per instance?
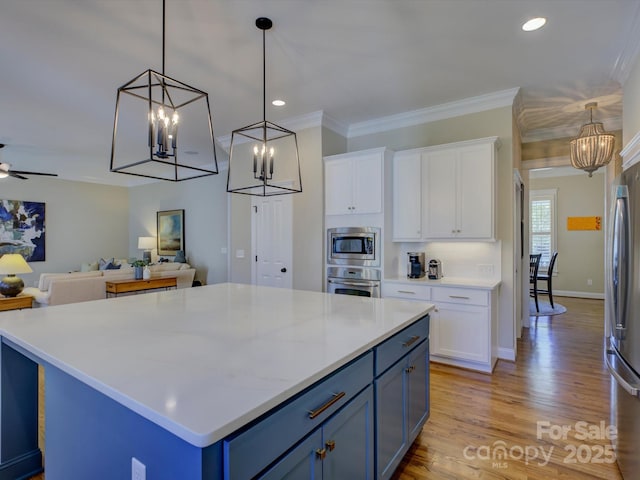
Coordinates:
(33, 173)
(15, 175)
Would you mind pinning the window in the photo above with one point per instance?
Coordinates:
(542, 226)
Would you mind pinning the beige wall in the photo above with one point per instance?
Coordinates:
(308, 220)
(497, 122)
(631, 104)
(84, 221)
(580, 253)
(204, 201)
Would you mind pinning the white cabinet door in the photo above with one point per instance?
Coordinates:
(353, 183)
(461, 332)
(440, 194)
(407, 197)
(475, 192)
(367, 183)
(338, 187)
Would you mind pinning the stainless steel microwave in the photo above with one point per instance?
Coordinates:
(353, 246)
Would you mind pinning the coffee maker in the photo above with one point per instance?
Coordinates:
(415, 265)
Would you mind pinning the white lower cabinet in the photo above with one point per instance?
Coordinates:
(463, 328)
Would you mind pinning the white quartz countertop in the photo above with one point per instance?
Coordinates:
(202, 362)
(465, 282)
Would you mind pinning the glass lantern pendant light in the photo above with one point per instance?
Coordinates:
(593, 147)
(145, 139)
(263, 157)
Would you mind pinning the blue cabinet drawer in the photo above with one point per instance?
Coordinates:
(253, 449)
(391, 350)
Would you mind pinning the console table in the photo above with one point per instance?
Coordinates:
(116, 287)
(15, 303)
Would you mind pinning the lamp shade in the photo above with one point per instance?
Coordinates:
(13, 263)
(146, 243)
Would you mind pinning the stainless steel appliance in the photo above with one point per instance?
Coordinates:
(358, 246)
(435, 269)
(415, 265)
(623, 346)
(363, 282)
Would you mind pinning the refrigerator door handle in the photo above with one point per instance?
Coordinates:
(620, 257)
(631, 389)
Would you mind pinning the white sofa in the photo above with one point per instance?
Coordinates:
(61, 288)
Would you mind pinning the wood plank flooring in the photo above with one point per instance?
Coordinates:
(559, 378)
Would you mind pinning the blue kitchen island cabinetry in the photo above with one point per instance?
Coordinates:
(223, 381)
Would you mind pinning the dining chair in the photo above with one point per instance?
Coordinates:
(547, 277)
(534, 264)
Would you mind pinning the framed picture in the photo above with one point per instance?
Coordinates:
(170, 232)
(22, 229)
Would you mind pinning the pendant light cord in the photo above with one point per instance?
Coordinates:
(264, 77)
(163, 28)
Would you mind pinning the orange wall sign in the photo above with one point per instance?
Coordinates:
(584, 223)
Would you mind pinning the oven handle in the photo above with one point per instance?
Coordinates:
(353, 284)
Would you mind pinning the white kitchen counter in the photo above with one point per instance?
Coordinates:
(202, 362)
(465, 282)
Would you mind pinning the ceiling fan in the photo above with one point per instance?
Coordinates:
(6, 171)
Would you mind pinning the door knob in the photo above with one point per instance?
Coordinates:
(283, 270)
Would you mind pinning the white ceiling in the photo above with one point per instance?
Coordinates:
(355, 60)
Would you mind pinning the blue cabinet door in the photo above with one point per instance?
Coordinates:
(303, 462)
(348, 440)
(418, 390)
(391, 433)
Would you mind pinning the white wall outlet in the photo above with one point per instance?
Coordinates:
(589, 282)
(239, 253)
(223, 250)
(138, 469)
(485, 269)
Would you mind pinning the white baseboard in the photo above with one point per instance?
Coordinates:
(506, 354)
(565, 293)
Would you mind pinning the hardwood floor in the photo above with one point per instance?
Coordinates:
(559, 378)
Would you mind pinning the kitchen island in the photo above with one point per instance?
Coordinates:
(210, 382)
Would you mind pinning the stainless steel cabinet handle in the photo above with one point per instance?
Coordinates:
(411, 341)
(407, 291)
(336, 397)
(461, 297)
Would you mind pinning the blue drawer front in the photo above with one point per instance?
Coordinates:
(247, 453)
(391, 350)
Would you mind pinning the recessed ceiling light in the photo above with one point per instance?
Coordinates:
(534, 24)
(278, 103)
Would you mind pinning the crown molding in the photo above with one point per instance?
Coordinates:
(627, 58)
(631, 152)
(301, 122)
(457, 108)
(610, 125)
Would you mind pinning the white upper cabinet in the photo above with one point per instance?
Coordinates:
(353, 182)
(445, 192)
(407, 196)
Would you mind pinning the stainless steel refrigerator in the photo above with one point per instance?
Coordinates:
(623, 300)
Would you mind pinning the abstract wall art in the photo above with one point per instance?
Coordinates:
(22, 229)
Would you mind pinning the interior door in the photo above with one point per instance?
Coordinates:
(272, 236)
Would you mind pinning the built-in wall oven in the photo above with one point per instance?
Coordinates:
(356, 246)
(363, 282)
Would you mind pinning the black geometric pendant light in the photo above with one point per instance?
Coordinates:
(263, 157)
(162, 128)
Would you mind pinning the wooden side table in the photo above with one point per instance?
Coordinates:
(16, 303)
(116, 287)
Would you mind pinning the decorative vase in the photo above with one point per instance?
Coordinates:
(137, 272)
(146, 273)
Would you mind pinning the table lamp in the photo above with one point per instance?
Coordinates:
(11, 264)
(146, 244)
